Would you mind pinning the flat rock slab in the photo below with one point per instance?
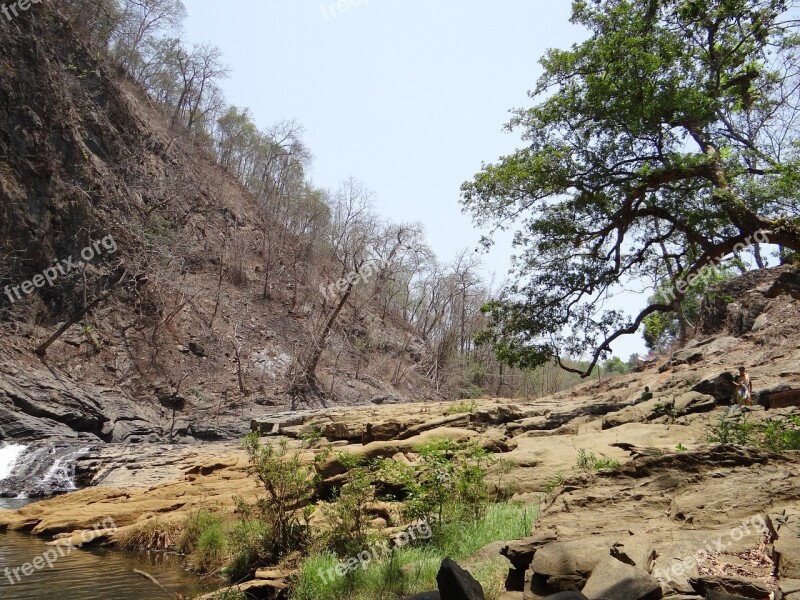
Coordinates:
(787, 553)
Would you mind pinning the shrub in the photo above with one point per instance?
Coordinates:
(449, 481)
(348, 516)
(193, 528)
(211, 549)
(553, 482)
(732, 430)
(250, 544)
(289, 485)
(781, 435)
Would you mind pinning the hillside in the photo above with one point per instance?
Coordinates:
(179, 315)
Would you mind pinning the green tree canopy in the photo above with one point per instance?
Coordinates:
(665, 141)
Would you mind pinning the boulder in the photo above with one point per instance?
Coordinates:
(567, 596)
(722, 387)
(615, 580)
(574, 558)
(457, 584)
(520, 552)
(636, 551)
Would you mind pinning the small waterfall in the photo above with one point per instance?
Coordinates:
(38, 470)
(8, 458)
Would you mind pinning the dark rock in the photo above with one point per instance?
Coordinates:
(457, 584)
(614, 580)
(722, 388)
(717, 595)
(787, 282)
(386, 400)
(736, 304)
(566, 596)
(748, 588)
(425, 596)
(520, 552)
(169, 399)
(781, 396)
(196, 349)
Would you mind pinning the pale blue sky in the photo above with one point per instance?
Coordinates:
(409, 96)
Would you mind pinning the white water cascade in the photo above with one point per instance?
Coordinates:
(9, 454)
(38, 469)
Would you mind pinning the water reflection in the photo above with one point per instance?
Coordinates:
(88, 574)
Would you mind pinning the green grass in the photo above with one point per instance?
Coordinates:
(413, 569)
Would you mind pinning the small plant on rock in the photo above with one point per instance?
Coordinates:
(311, 438)
(666, 409)
(780, 435)
(735, 429)
(462, 408)
(588, 461)
(553, 482)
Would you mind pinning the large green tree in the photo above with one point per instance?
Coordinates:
(666, 140)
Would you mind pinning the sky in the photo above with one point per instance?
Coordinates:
(408, 96)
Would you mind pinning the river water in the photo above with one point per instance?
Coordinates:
(88, 574)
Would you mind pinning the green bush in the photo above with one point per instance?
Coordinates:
(289, 486)
(449, 480)
(211, 550)
(196, 524)
(250, 545)
(553, 482)
(781, 435)
(736, 429)
(347, 516)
